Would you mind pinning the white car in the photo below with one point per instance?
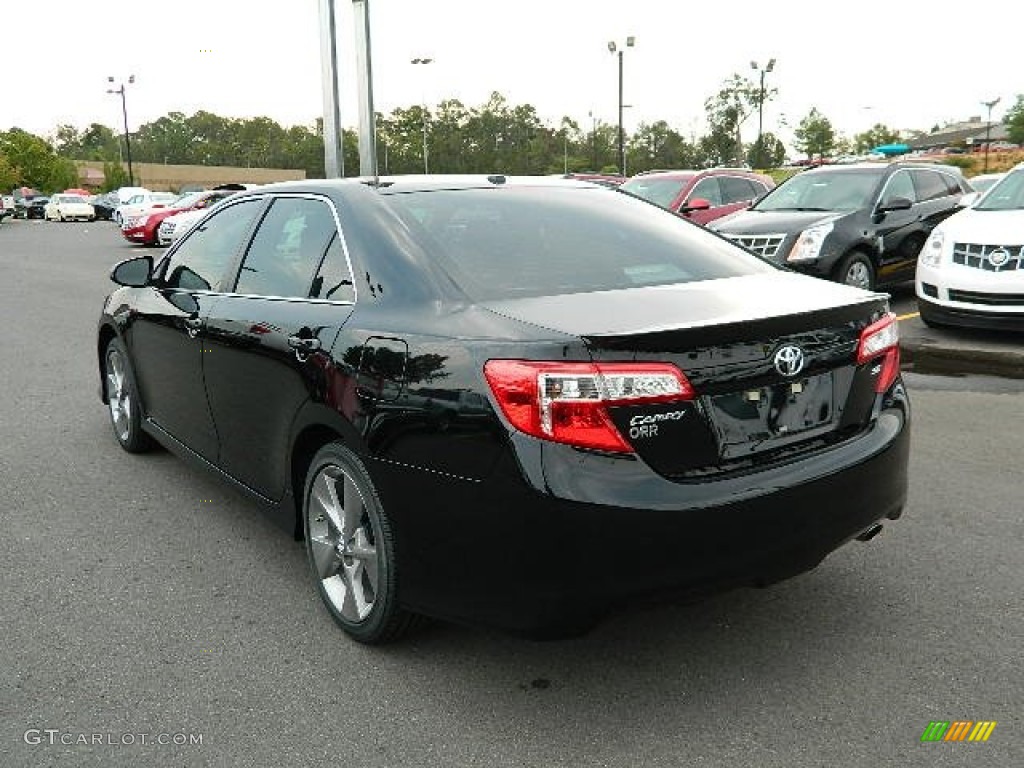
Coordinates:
(140, 203)
(175, 226)
(68, 208)
(971, 269)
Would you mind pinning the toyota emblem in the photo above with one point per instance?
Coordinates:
(789, 360)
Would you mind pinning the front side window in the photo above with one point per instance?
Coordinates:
(736, 189)
(202, 260)
(707, 189)
(899, 185)
(287, 248)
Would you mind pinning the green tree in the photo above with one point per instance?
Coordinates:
(114, 176)
(773, 152)
(726, 111)
(656, 145)
(37, 164)
(9, 175)
(1014, 120)
(815, 135)
(875, 136)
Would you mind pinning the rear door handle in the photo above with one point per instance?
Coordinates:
(193, 325)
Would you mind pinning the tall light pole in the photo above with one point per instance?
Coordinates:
(988, 127)
(616, 50)
(124, 111)
(426, 167)
(759, 155)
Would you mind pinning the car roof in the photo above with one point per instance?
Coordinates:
(421, 183)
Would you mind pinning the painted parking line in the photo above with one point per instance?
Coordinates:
(908, 315)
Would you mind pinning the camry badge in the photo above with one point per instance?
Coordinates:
(789, 360)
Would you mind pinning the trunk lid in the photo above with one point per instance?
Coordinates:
(773, 359)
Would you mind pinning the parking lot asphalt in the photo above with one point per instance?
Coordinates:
(143, 597)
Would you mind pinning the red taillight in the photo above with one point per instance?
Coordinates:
(881, 339)
(568, 402)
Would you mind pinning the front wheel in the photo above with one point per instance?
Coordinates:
(857, 270)
(351, 548)
(123, 400)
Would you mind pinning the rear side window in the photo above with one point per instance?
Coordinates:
(930, 185)
(287, 248)
(333, 281)
(513, 241)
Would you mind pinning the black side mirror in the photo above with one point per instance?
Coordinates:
(895, 204)
(133, 273)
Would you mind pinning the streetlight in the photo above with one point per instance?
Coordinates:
(759, 155)
(124, 111)
(988, 127)
(614, 49)
(425, 165)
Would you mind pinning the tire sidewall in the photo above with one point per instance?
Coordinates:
(137, 440)
(849, 260)
(385, 602)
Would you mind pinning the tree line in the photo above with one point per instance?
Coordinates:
(450, 137)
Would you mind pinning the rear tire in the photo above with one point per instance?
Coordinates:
(351, 548)
(857, 270)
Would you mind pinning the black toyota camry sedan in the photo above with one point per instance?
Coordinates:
(512, 402)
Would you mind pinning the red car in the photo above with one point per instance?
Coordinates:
(700, 196)
(143, 229)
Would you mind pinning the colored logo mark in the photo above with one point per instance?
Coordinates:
(958, 730)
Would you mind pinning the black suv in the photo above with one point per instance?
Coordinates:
(857, 224)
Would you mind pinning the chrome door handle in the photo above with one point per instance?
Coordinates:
(192, 326)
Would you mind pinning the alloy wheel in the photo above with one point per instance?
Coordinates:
(343, 543)
(119, 395)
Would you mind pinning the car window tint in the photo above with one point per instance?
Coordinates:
(333, 280)
(708, 189)
(900, 185)
(735, 189)
(929, 185)
(287, 248)
(512, 242)
(952, 185)
(204, 256)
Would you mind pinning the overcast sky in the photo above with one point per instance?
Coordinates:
(909, 65)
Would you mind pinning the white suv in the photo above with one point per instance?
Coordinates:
(971, 270)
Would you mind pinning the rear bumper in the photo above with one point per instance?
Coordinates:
(501, 554)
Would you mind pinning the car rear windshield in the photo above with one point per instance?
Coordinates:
(659, 191)
(509, 242)
(845, 190)
(1007, 195)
